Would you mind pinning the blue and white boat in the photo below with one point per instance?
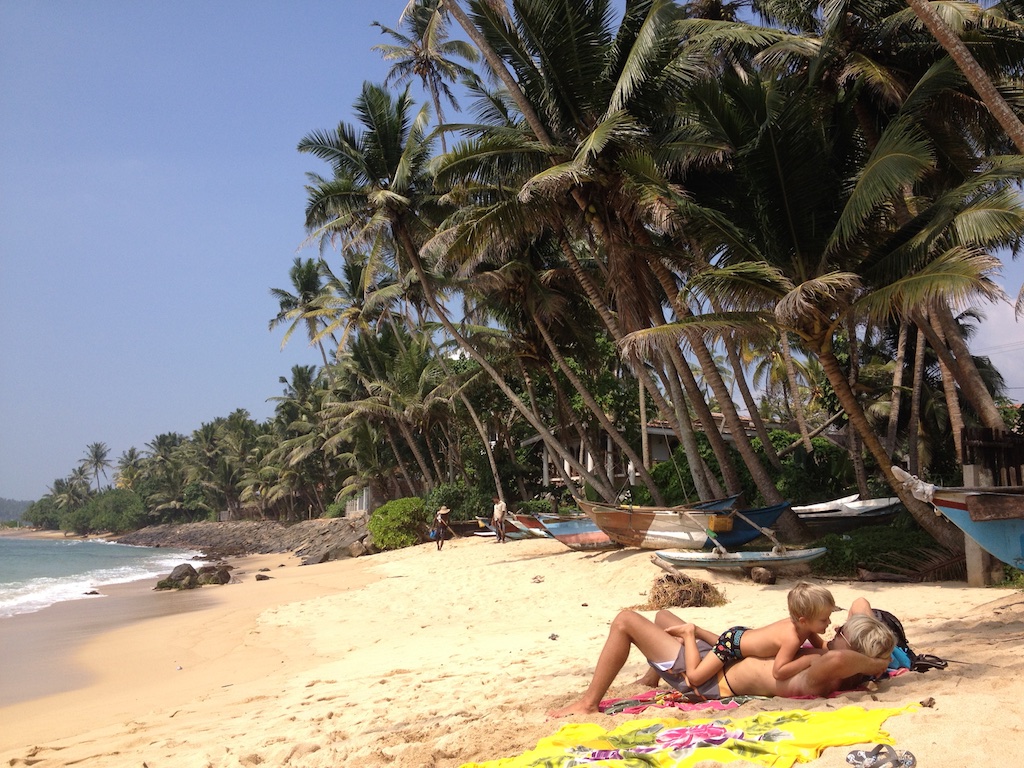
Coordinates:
(993, 517)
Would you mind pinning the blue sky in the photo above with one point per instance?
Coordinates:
(151, 195)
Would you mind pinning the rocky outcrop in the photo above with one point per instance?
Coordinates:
(314, 541)
(183, 576)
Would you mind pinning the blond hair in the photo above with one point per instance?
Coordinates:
(809, 601)
(868, 635)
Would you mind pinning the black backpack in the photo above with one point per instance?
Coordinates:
(919, 662)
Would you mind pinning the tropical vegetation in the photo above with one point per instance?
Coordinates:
(764, 227)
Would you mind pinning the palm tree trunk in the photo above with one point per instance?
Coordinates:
(740, 378)
(412, 254)
(598, 412)
(796, 404)
(713, 376)
(498, 67)
(972, 385)
(856, 448)
(975, 75)
(897, 389)
(914, 428)
(943, 532)
(681, 426)
(410, 440)
(399, 460)
(955, 415)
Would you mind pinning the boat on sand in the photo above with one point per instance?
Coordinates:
(993, 517)
(711, 525)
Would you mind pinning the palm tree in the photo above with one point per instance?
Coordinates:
(129, 465)
(303, 306)
(379, 191)
(426, 53)
(975, 74)
(806, 215)
(96, 461)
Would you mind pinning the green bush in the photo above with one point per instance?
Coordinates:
(336, 509)
(399, 523)
(465, 502)
(535, 507)
(117, 511)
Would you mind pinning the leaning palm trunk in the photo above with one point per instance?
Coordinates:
(598, 412)
(973, 386)
(681, 425)
(971, 70)
(550, 440)
(914, 428)
(943, 532)
(751, 404)
(713, 377)
(795, 401)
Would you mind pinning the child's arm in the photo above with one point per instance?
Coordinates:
(698, 670)
(787, 663)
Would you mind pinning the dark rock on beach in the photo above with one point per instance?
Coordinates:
(314, 541)
(183, 576)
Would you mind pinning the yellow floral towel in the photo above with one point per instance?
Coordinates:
(777, 739)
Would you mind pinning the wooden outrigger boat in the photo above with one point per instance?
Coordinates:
(709, 525)
(847, 513)
(993, 517)
(823, 507)
(578, 533)
(744, 559)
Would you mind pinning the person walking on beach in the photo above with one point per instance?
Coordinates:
(441, 526)
(810, 614)
(498, 518)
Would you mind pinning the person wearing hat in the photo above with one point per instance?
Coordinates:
(440, 525)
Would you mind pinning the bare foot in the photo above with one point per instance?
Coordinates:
(576, 708)
(650, 679)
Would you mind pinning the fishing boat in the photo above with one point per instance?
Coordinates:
(579, 533)
(847, 513)
(993, 517)
(821, 507)
(511, 530)
(527, 524)
(744, 559)
(709, 525)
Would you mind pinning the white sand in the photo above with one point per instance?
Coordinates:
(427, 658)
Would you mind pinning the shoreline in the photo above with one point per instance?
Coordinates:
(426, 657)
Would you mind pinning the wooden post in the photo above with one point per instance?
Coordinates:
(983, 570)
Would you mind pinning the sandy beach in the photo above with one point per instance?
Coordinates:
(428, 658)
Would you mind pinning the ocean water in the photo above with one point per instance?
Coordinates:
(35, 573)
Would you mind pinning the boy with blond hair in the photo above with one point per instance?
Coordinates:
(810, 613)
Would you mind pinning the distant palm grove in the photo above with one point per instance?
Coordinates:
(764, 227)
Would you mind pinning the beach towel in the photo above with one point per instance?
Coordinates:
(661, 698)
(777, 739)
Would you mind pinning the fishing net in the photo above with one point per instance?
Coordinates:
(671, 591)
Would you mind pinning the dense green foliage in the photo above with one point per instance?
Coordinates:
(399, 523)
(714, 227)
(870, 545)
(464, 502)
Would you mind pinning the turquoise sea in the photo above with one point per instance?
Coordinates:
(35, 573)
